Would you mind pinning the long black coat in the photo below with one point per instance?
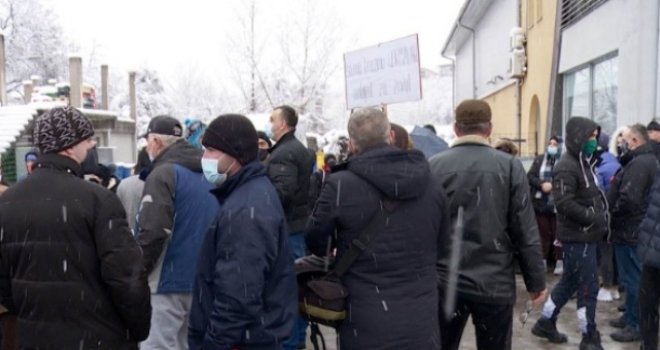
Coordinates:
(392, 285)
(628, 193)
(648, 245)
(289, 168)
(69, 266)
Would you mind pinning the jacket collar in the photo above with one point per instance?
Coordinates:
(248, 172)
(471, 140)
(58, 163)
(284, 139)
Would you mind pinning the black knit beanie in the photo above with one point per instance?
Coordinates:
(233, 134)
(61, 128)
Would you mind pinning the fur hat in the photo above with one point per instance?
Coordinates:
(61, 128)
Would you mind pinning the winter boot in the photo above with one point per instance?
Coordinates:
(547, 328)
(559, 268)
(591, 341)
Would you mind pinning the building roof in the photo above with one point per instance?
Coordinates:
(15, 119)
(468, 16)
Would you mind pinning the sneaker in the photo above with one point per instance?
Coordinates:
(591, 341)
(618, 323)
(626, 335)
(559, 267)
(605, 295)
(546, 328)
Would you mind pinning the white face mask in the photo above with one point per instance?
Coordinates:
(211, 173)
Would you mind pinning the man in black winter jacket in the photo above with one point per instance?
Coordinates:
(627, 198)
(582, 222)
(648, 249)
(392, 285)
(69, 266)
(492, 190)
(289, 168)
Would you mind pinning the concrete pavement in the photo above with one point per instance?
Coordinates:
(522, 336)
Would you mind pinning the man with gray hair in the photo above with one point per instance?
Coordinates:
(175, 211)
(392, 288)
(492, 212)
(628, 200)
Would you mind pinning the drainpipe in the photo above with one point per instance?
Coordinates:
(453, 81)
(519, 84)
(474, 57)
(656, 61)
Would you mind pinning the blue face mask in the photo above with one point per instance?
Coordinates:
(268, 129)
(553, 150)
(211, 173)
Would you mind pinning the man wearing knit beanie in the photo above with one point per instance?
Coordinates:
(246, 245)
(91, 256)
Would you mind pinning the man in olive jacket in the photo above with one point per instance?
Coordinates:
(582, 222)
(69, 268)
(492, 190)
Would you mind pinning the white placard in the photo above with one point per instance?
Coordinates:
(383, 74)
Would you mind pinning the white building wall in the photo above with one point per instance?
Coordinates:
(492, 52)
(124, 148)
(493, 46)
(629, 29)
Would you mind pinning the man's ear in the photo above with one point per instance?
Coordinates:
(352, 149)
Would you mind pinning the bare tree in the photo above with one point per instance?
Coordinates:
(35, 44)
(193, 94)
(244, 59)
(308, 46)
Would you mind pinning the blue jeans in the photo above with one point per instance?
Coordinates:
(581, 275)
(299, 335)
(630, 271)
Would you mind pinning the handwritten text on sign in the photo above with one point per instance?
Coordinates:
(383, 74)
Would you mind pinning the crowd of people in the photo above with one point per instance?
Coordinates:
(197, 249)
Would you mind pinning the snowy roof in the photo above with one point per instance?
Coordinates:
(13, 121)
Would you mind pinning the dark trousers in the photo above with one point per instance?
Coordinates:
(581, 275)
(547, 223)
(608, 272)
(649, 301)
(630, 270)
(492, 324)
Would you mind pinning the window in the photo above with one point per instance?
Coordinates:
(592, 92)
(573, 10)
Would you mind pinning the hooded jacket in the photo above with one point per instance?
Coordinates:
(628, 193)
(492, 188)
(175, 211)
(392, 302)
(582, 214)
(289, 167)
(245, 293)
(69, 267)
